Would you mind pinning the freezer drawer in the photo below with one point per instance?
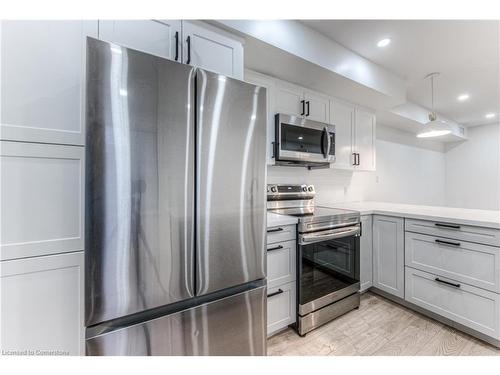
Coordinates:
(234, 325)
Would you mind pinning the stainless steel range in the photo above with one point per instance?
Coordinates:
(328, 255)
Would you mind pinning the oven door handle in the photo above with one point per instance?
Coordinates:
(308, 238)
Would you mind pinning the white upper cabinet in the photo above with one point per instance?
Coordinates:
(342, 116)
(161, 38)
(317, 107)
(268, 84)
(43, 80)
(289, 99)
(213, 49)
(295, 100)
(364, 137)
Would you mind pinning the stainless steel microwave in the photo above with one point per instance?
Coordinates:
(301, 141)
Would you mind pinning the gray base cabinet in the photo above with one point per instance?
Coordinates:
(366, 253)
(473, 307)
(281, 277)
(388, 254)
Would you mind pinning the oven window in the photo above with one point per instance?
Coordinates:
(327, 267)
(298, 138)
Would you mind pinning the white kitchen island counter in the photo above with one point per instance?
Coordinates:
(275, 220)
(466, 216)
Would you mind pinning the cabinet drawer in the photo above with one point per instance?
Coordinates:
(487, 236)
(473, 307)
(42, 193)
(281, 263)
(42, 300)
(280, 307)
(281, 233)
(467, 262)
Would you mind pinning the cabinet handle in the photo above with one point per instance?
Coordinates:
(446, 282)
(188, 41)
(275, 248)
(176, 45)
(359, 159)
(308, 107)
(354, 161)
(448, 243)
(279, 291)
(274, 230)
(303, 102)
(447, 226)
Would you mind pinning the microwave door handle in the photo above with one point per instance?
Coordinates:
(328, 142)
(325, 149)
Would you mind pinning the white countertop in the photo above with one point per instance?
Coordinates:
(465, 216)
(275, 220)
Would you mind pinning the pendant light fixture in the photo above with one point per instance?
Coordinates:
(435, 127)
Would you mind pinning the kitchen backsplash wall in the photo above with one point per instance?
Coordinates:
(408, 171)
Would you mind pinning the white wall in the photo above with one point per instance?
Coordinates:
(408, 171)
(473, 170)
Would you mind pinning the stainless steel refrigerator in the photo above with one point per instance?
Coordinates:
(175, 208)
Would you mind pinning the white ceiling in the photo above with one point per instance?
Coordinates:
(466, 53)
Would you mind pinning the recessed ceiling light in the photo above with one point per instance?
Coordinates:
(463, 97)
(490, 115)
(384, 42)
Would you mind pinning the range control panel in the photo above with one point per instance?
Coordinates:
(286, 192)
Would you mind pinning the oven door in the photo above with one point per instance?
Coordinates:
(304, 140)
(328, 266)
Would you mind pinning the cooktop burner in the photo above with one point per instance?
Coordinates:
(298, 201)
(313, 211)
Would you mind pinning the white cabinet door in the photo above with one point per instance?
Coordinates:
(365, 140)
(268, 84)
(150, 36)
(281, 307)
(388, 254)
(43, 304)
(317, 107)
(281, 263)
(289, 99)
(213, 49)
(342, 116)
(42, 195)
(43, 80)
(366, 250)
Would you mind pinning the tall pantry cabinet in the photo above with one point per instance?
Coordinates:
(42, 163)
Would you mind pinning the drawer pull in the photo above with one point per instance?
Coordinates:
(274, 230)
(275, 248)
(448, 243)
(279, 291)
(447, 282)
(451, 226)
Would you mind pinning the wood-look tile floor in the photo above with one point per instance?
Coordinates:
(380, 327)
